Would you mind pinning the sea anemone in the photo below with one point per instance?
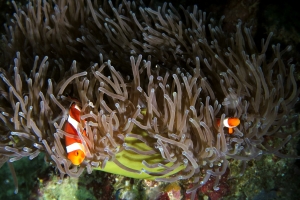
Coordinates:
(151, 85)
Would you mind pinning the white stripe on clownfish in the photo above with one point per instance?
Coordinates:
(74, 123)
(75, 146)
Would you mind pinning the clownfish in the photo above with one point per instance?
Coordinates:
(230, 123)
(75, 149)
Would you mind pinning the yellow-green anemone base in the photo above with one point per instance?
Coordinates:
(133, 160)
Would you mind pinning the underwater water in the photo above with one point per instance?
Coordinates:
(270, 177)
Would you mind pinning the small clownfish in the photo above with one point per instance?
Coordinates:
(230, 123)
(75, 149)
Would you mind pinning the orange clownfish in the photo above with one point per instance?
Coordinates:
(230, 123)
(75, 149)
